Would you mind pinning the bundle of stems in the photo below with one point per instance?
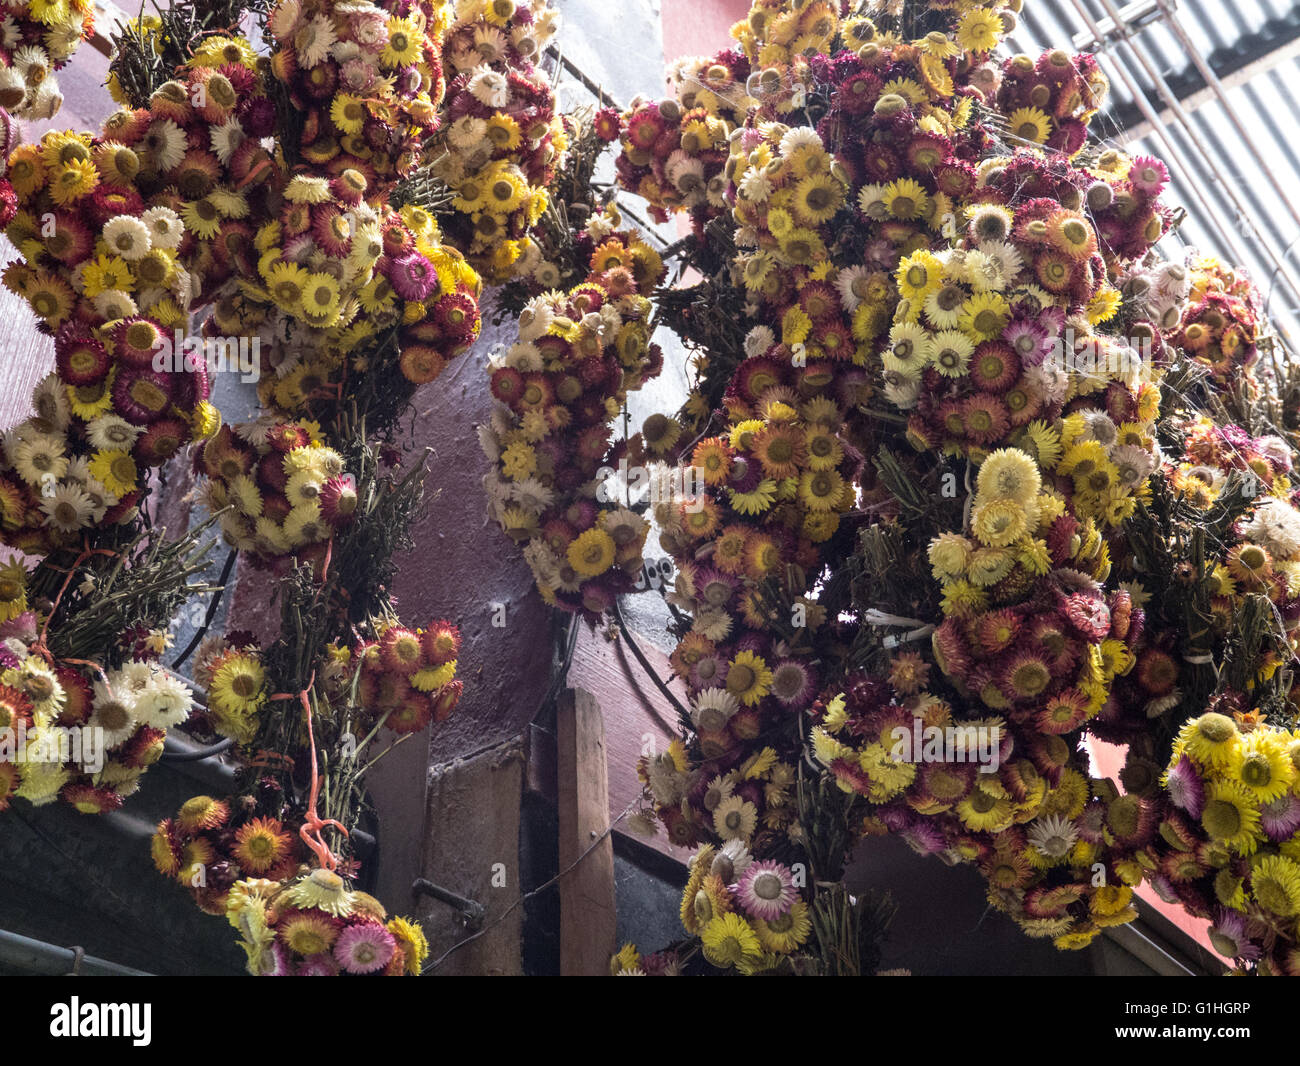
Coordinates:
(143, 61)
(143, 583)
(849, 932)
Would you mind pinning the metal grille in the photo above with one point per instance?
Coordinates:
(1213, 88)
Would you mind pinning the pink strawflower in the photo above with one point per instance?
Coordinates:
(364, 947)
(766, 890)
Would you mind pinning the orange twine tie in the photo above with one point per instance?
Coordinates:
(39, 645)
(313, 823)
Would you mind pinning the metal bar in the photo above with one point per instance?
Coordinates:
(587, 83)
(1135, 942)
(471, 910)
(1249, 56)
(1212, 79)
(1173, 155)
(1136, 14)
(36, 957)
(1162, 87)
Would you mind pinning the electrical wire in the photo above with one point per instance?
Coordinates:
(199, 754)
(645, 664)
(202, 631)
(430, 967)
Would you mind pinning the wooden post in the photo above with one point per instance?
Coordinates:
(587, 917)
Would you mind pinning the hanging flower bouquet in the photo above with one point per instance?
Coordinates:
(276, 192)
(85, 702)
(558, 391)
(941, 274)
(38, 39)
(503, 140)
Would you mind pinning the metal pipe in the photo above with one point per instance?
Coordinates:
(1171, 99)
(1135, 14)
(174, 752)
(471, 911)
(25, 955)
(1212, 80)
(1172, 154)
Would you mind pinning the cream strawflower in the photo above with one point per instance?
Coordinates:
(758, 340)
(713, 623)
(466, 132)
(67, 508)
(735, 819)
(306, 189)
(284, 19)
(314, 39)
(39, 457)
(166, 143)
(489, 87)
(166, 701)
(226, 138)
(114, 714)
(50, 400)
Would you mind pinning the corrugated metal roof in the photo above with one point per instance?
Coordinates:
(1253, 47)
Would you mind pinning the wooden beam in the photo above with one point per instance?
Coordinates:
(587, 917)
(109, 19)
(638, 720)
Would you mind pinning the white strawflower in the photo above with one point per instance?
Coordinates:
(535, 319)
(713, 709)
(524, 356)
(848, 283)
(799, 137)
(532, 495)
(755, 186)
(1276, 525)
(166, 701)
(165, 227)
(127, 237)
(1052, 836)
(114, 304)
